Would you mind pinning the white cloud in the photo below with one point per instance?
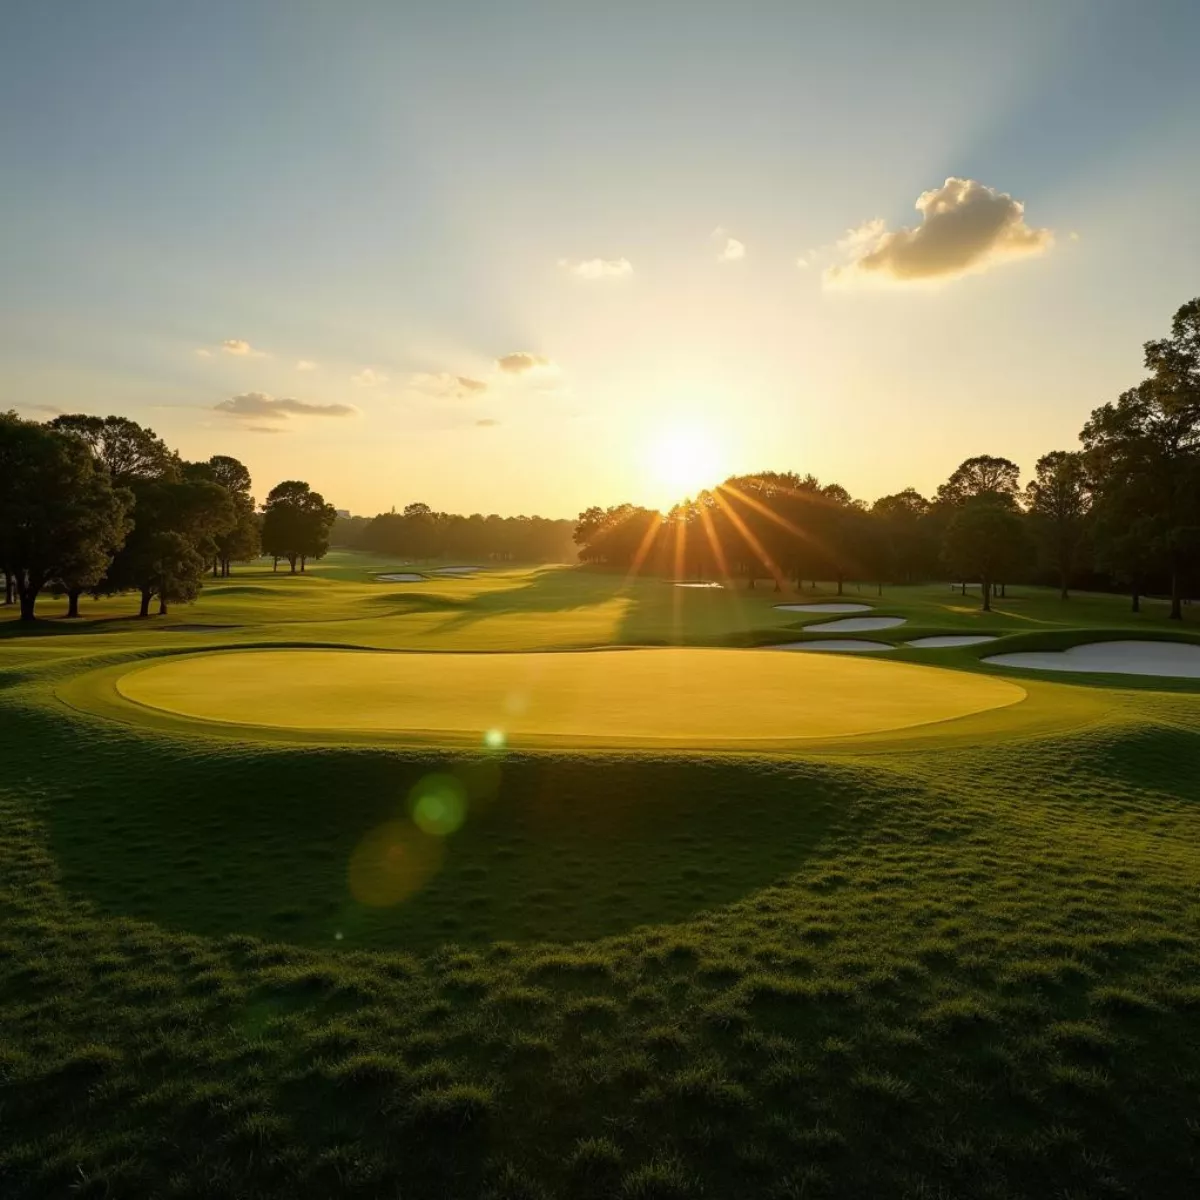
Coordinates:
(241, 348)
(802, 263)
(368, 378)
(732, 250)
(260, 406)
(521, 361)
(306, 365)
(598, 268)
(203, 353)
(966, 227)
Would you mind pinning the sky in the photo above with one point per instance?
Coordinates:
(530, 257)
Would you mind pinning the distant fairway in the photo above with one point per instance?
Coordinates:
(620, 697)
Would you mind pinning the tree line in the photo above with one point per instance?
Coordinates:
(101, 506)
(418, 532)
(1121, 510)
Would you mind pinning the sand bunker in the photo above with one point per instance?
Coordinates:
(944, 642)
(456, 570)
(837, 607)
(698, 584)
(400, 577)
(693, 697)
(858, 625)
(1177, 660)
(851, 645)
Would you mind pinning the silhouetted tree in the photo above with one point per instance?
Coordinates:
(296, 523)
(60, 516)
(985, 541)
(1058, 500)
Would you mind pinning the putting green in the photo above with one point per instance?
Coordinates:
(683, 697)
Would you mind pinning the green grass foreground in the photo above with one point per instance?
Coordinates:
(960, 964)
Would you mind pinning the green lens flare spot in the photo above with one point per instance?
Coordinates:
(439, 805)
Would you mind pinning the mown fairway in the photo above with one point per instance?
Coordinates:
(957, 960)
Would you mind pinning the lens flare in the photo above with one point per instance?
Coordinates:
(494, 739)
(394, 861)
(438, 804)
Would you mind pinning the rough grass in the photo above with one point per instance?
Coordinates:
(961, 971)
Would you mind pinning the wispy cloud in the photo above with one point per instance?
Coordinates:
(598, 268)
(260, 406)
(51, 410)
(262, 429)
(521, 361)
(306, 365)
(966, 227)
(241, 348)
(445, 383)
(368, 377)
(486, 422)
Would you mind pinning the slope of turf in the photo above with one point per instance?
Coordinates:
(622, 697)
(957, 968)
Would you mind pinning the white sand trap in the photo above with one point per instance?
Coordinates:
(858, 624)
(850, 645)
(400, 577)
(948, 640)
(1179, 660)
(457, 570)
(698, 584)
(824, 608)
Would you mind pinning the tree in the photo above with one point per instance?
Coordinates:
(1144, 450)
(174, 538)
(1058, 500)
(296, 523)
(980, 476)
(128, 450)
(60, 515)
(984, 540)
(905, 528)
(242, 541)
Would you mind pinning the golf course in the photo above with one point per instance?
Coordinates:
(560, 882)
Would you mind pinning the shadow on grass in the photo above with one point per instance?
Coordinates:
(564, 848)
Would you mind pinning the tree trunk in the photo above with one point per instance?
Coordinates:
(304, 559)
(216, 570)
(162, 607)
(1136, 606)
(1176, 598)
(1063, 594)
(27, 595)
(275, 564)
(292, 561)
(73, 602)
(879, 585)
(750, 585)
(839, 583)
(985, 587)
(964, 588)
(144, 611)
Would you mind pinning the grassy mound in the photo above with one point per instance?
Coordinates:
(911, 966)
(669, 697)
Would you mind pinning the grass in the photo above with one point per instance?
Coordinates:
(707, 698)
(914, 965)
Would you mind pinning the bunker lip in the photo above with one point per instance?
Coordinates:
(858, 625)
(400, 577)
(836, 645)
(946, 641)
(669, 698)
(831, 607)
(1165, 660)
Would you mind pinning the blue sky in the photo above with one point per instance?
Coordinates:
(401, 195)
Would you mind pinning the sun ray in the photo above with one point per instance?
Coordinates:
(644, 548)
(752, 541)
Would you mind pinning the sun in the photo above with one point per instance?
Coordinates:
(682, 461)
